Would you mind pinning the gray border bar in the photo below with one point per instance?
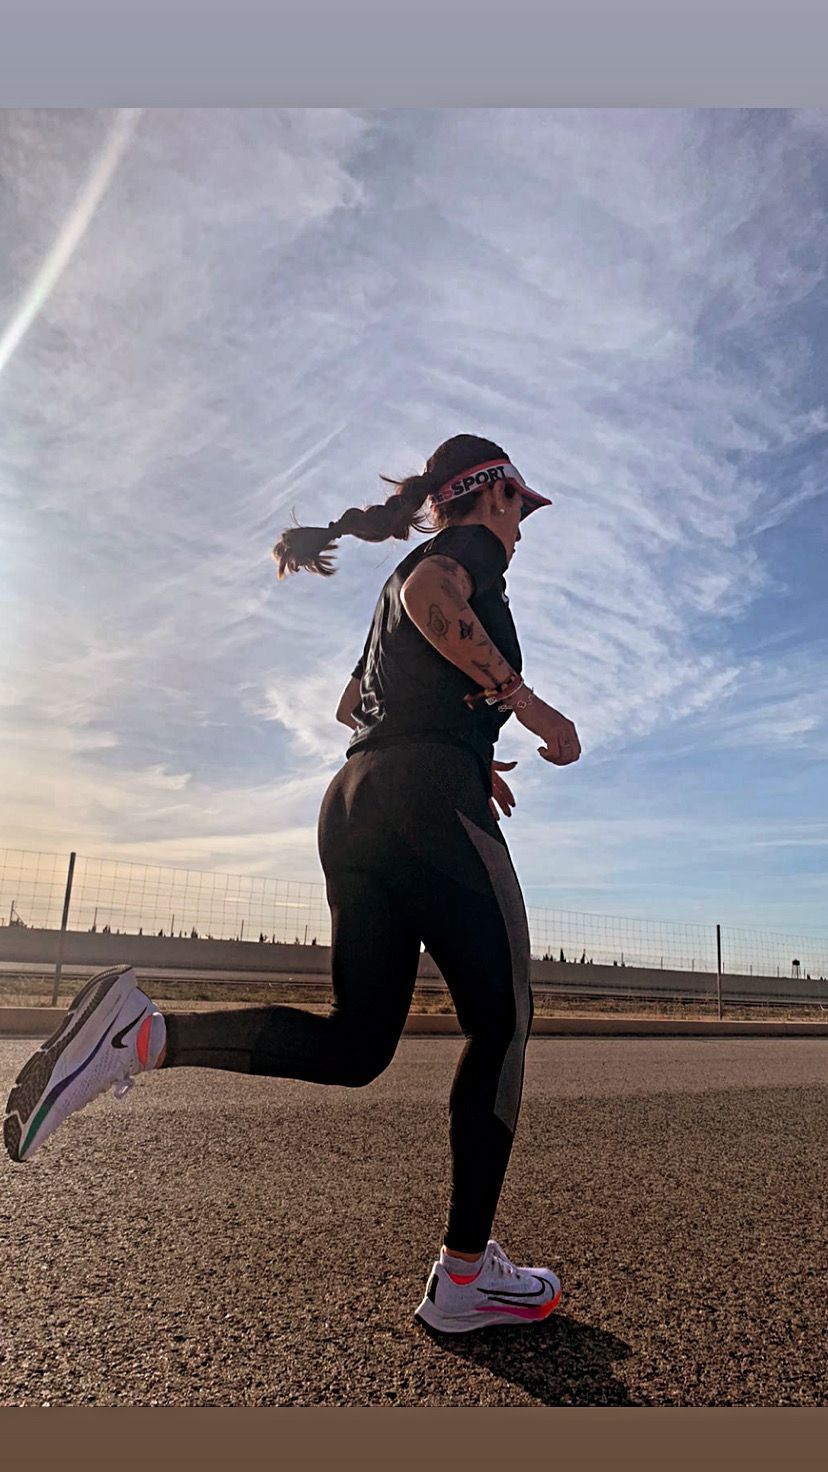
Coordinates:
(184, 53)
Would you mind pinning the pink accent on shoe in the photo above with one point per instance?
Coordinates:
(142, 1041)
(461, 1277)
(540, 1311)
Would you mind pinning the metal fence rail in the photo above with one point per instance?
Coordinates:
(613, 939)
(118, 896)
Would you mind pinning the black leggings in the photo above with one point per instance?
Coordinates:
(411, 852)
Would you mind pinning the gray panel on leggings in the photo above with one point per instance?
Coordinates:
(507, 891)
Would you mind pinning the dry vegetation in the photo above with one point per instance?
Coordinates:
(197, 994)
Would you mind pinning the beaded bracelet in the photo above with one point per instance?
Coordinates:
(519, 704)
(505, 690)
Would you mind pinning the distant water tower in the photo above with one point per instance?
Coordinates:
(795, 968)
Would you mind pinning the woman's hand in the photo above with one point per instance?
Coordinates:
(500, 792)
(560, 739)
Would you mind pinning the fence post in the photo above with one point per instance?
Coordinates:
(66, 898)
(719, 968)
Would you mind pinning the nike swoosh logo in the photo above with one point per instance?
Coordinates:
(117, 1041)
(506, 1295)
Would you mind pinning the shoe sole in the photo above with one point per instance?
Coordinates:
(431, 1317)
(33, 1079)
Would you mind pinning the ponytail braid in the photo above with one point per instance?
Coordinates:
(312, 547)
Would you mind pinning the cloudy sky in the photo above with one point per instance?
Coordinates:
(210, 318)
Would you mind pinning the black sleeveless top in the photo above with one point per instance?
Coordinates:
(411, 693)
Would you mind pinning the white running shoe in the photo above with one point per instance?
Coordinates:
(111, 1031)
(498, 1293)
(538, 1272)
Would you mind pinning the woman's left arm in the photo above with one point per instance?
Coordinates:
(348, 702)
(501, 792)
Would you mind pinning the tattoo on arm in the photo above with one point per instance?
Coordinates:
(437, 621)
(455, 585)
(488, 648)
(459, 577)
(453, 592)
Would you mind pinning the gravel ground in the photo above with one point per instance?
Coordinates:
(222, 1240)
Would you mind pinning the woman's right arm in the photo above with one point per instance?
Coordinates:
(435, 597)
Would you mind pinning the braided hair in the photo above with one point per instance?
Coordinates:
(312, 547)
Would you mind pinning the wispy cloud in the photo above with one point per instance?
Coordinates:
(267, 308)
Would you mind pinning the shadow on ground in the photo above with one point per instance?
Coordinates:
(559, 1363)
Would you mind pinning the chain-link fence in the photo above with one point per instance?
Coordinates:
(118, 897)
(114, 896)
(32, 888)
(612, 940)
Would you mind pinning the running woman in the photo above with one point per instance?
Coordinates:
(412, 852)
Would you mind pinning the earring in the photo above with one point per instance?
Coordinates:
(501, 511)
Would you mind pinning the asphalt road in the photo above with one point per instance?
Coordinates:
(222, 1240)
